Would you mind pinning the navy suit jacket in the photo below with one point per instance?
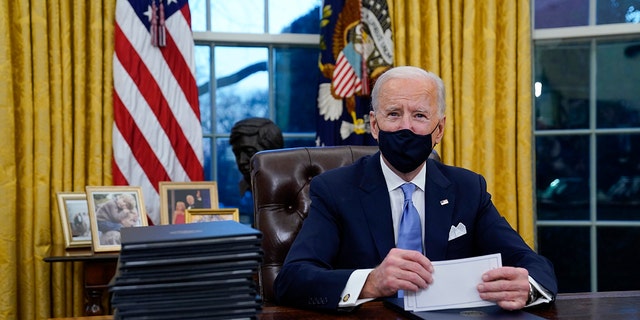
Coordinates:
(349, 227)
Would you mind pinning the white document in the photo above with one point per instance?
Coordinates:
(454, 285)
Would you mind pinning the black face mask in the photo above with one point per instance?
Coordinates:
(404, 149)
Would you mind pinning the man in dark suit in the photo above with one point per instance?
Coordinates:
(347, 251)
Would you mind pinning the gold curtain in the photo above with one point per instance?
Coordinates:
(482, 50)
(56, 102)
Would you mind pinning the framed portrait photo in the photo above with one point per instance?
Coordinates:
(177, 197)
(208, 215)
(111, 209)
(74, 215)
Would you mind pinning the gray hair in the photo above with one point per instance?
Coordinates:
(409, 72)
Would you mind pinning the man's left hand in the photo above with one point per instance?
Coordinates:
(506, 286)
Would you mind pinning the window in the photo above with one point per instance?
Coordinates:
(587, 138)
(254, 58)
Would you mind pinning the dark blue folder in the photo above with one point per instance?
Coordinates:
(179, 233)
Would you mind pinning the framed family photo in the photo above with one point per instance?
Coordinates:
(177, 197)
(74, 215)
(208, 215)
(111, 209)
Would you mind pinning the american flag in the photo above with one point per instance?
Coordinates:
(157, 135)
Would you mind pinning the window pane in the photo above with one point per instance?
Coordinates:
(562, 177)
(618, 177)
(296, 88)
(568, 250)
(561, 13)
(299, 142)
(300, 16)
(617, 84)
(244, 16)
(618, 11)
(617, 261)
(562, 73)
(243, 85)
(202, 56)
(207, 148)
(198, 15)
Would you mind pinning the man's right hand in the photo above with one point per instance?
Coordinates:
(400, 270)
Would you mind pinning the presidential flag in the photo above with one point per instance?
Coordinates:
(157, 135)
(356, 47)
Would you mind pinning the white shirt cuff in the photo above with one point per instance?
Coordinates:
(353, 288)
(544, 295)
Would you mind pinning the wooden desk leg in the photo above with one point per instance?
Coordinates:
(97, 275)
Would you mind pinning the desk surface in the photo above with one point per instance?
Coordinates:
(600, 305)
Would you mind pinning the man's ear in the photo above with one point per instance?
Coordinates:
(373, 124)
(440, 133)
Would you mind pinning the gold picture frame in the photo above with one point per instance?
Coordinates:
(110, 209)
(74, 215)
(174, 196)
(208, 215)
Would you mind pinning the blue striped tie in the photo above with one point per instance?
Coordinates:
(410, 231)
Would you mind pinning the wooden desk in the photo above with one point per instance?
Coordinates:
(98, 269)
(599, 305)
(602, 305)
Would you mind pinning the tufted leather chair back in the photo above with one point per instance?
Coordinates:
(280, 185)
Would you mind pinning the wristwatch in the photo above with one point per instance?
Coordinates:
(533, 294)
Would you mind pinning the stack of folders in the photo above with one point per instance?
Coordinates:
(187, 271)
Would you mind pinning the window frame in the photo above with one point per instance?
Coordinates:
(591, 33)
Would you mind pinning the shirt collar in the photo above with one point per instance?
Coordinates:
(394, 181)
